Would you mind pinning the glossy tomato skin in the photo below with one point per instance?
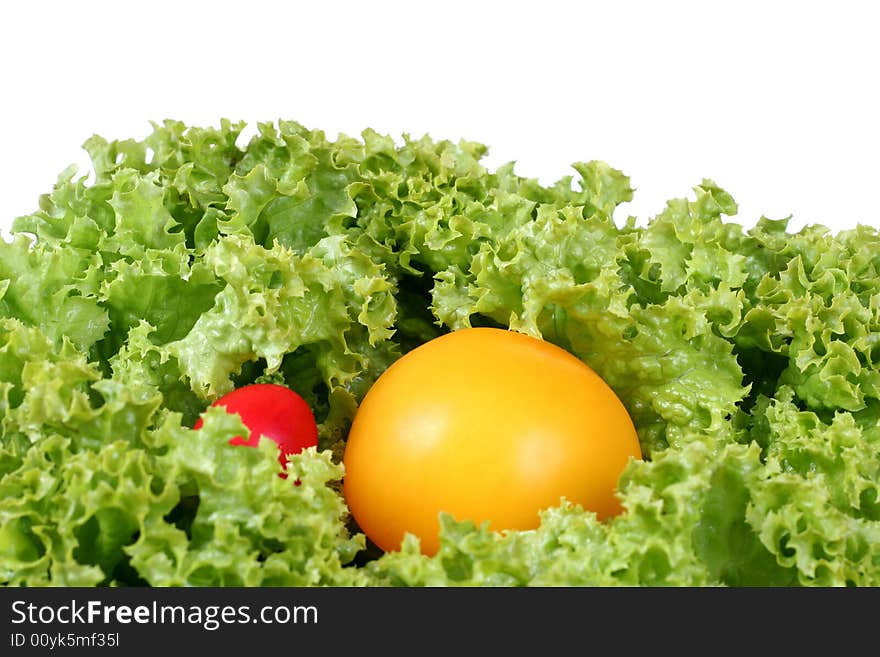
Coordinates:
(274, 411)
(485, 424)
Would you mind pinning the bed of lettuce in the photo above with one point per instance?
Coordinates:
(191, 263)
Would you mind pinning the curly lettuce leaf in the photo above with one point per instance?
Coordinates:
(191, 263)
(102, 486)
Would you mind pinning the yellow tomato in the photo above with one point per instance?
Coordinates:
(485, 424)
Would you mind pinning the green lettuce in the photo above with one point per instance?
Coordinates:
(191, 263)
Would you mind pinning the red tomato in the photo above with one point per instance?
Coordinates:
(272, 411)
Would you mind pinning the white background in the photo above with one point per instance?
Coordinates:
(775, 101)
